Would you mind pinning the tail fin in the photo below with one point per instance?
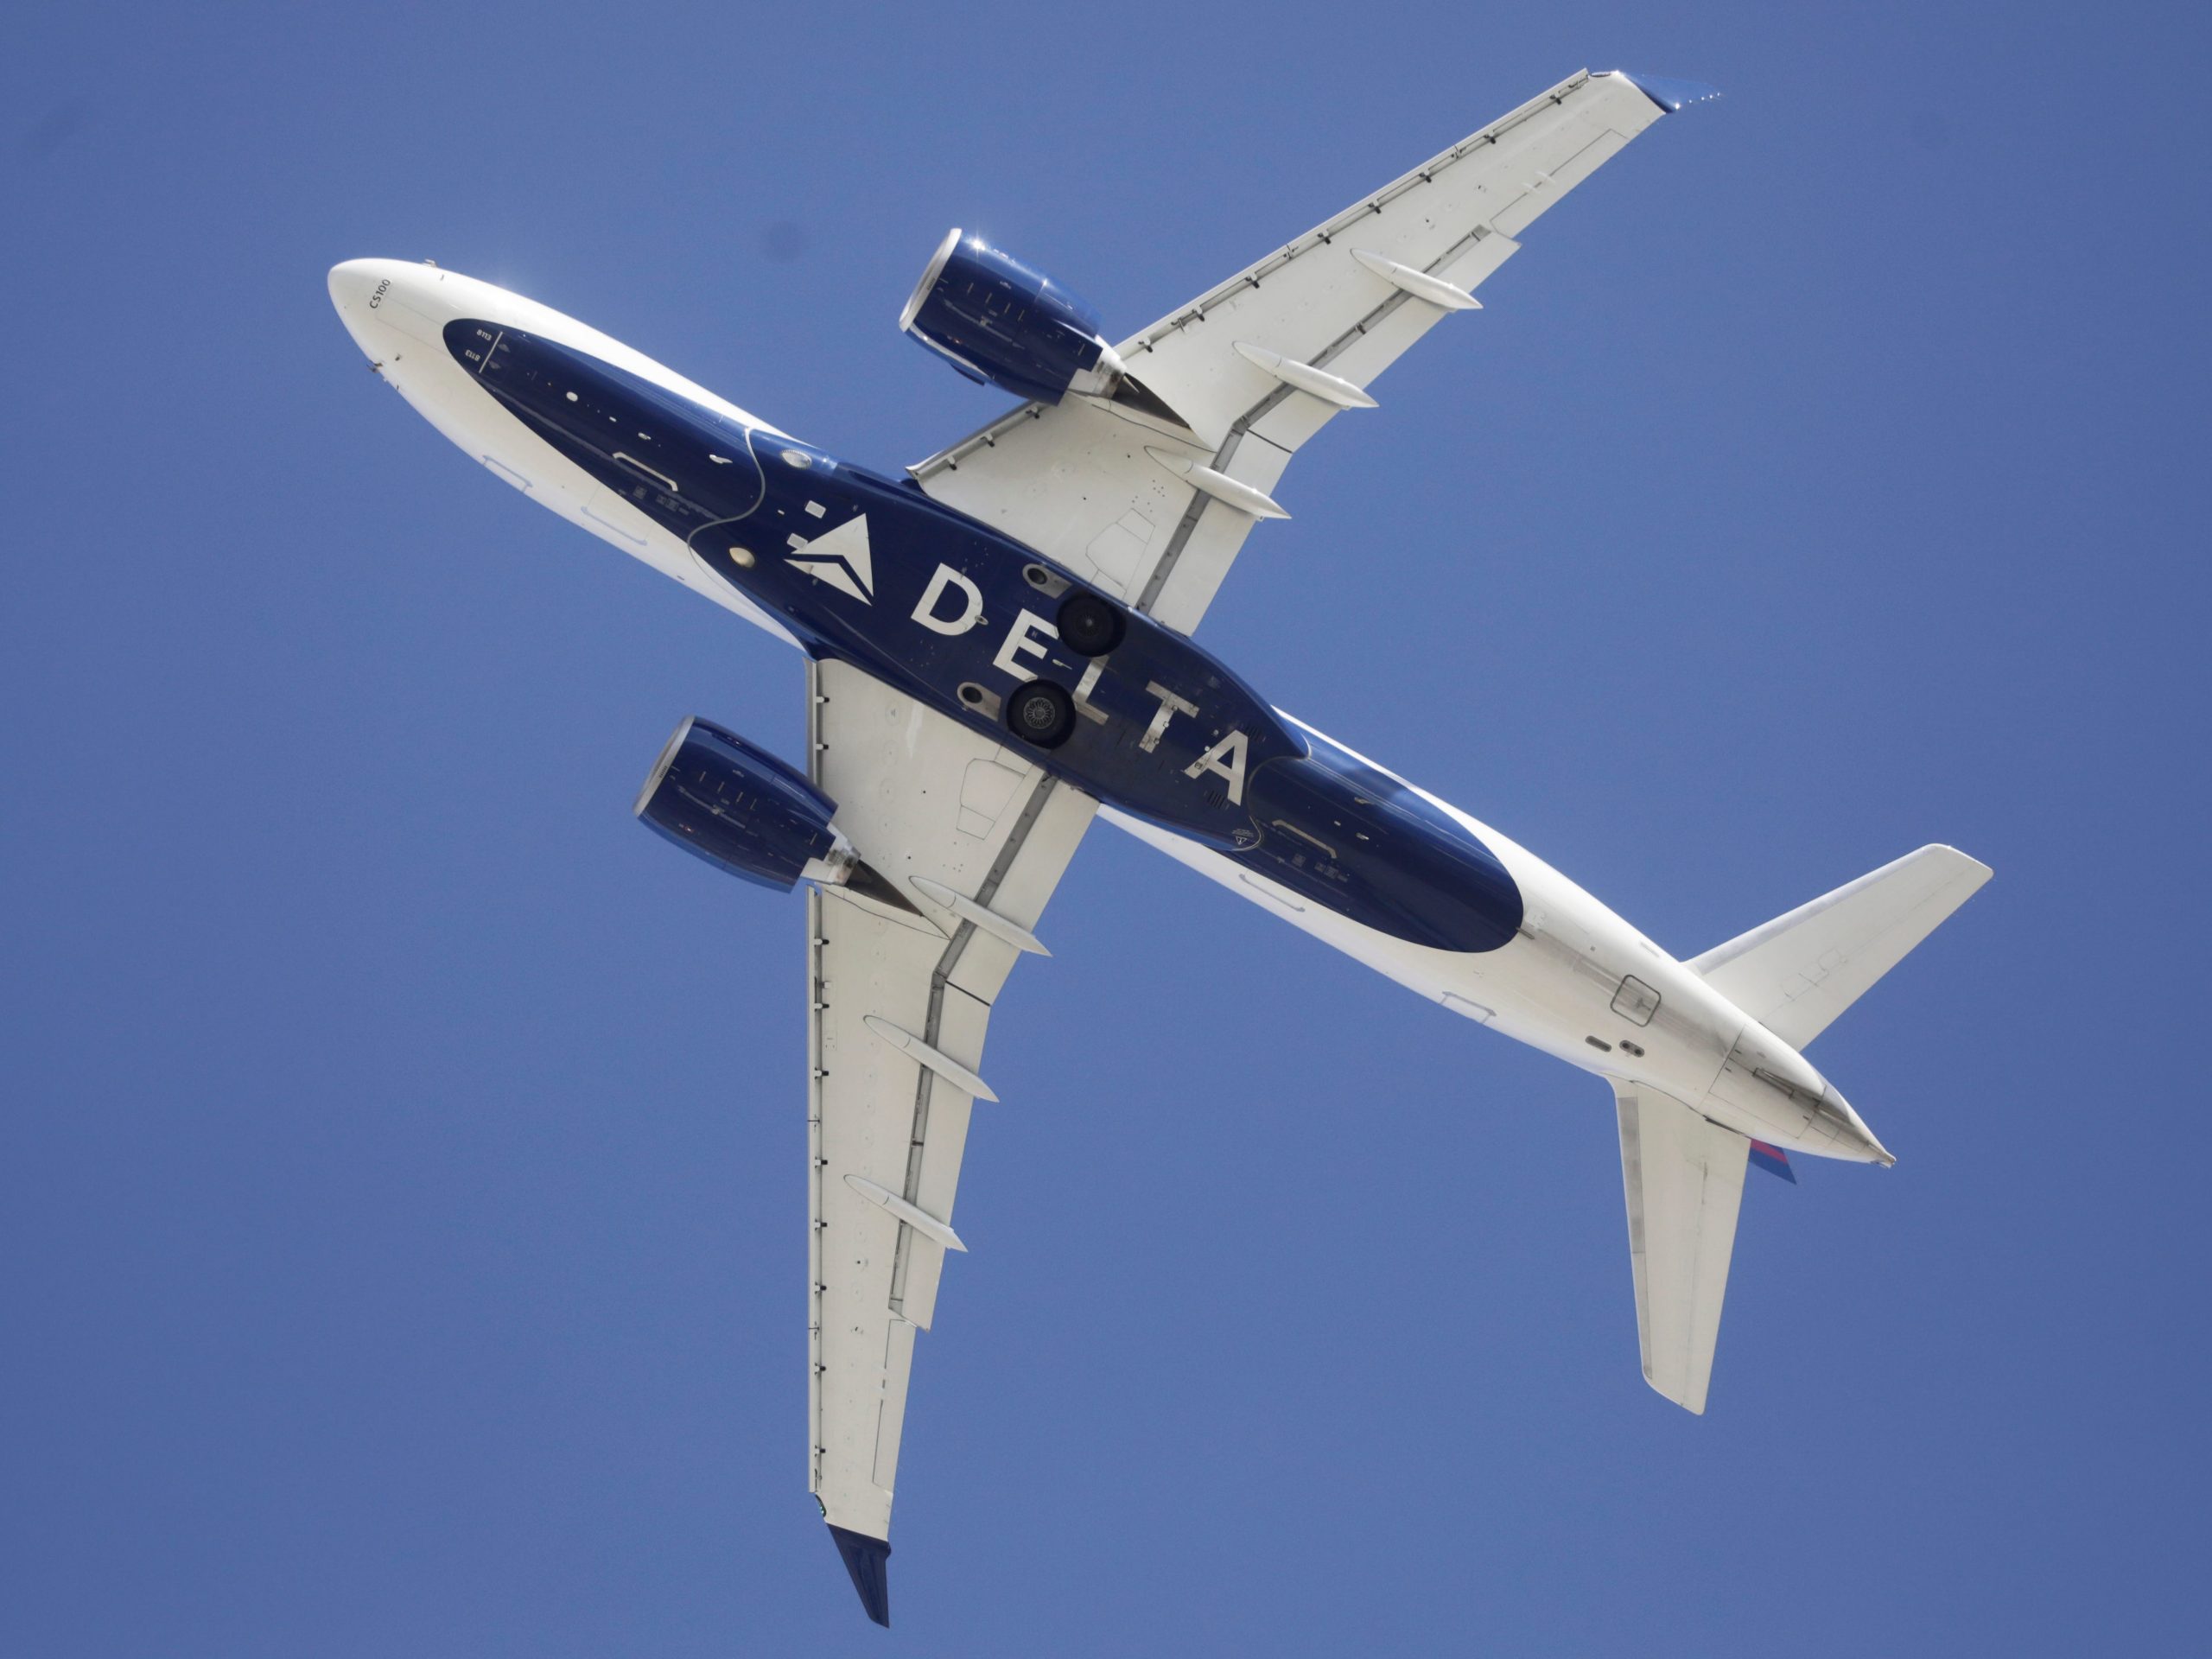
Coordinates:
(1796, 974)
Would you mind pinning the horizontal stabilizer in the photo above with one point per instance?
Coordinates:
(1684, 1177)
(1796, 972)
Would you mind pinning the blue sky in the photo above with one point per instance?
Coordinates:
(401, 1208)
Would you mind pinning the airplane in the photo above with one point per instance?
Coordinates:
(998, 648)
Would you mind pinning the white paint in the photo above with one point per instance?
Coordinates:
(1170, 706)
(1230, 492)
(1021, 641)
(1085, 687)
(1225, 759)
(920, 1220)
(842, 558)
(1446, 296)
(989, 920)
(972, 613)
(1318, 383)
(931, 1056)
(1554, 985)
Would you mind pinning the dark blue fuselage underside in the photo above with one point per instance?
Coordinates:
(886, 595)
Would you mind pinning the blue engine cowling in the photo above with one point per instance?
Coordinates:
(999, 322)
(737, 807)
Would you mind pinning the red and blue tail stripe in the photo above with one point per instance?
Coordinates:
(1774, 1161)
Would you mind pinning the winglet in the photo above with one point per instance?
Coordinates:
(1773, 1160)
(868, 1561)
(1669, 94)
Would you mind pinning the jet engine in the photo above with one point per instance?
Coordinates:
(1000, 323)
(746, 813)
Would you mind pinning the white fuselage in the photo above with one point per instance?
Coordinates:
(1577, 982)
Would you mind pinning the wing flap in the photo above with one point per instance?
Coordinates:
(891, 1416)
(1684, 1179)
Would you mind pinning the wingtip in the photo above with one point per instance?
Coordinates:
(1677, 1393)
(868, 1561)
(1668, 93)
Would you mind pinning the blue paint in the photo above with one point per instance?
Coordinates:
(868, 1561)
(932, 602)
(998, 322)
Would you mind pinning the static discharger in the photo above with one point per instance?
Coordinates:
(920, 1220)
(929, 1055)
(989, 920)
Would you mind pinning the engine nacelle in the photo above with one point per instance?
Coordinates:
(1000, 323)
(737, 807)
(748, 814)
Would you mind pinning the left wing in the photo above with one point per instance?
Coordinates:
(977, 839)
(1150, 495)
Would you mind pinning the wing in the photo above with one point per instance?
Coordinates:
(977, 838)
(1684, 1177)
(1149, 494)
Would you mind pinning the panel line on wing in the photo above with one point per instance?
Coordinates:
(917, 1136)
(1326, 232)
(1176, 541)
(1164, 568)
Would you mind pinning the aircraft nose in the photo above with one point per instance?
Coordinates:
(355, 288)
(350, 282)
(389, 306)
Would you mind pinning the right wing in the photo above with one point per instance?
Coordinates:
(1107, 486)
(963, 828)
(1684, 1177)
